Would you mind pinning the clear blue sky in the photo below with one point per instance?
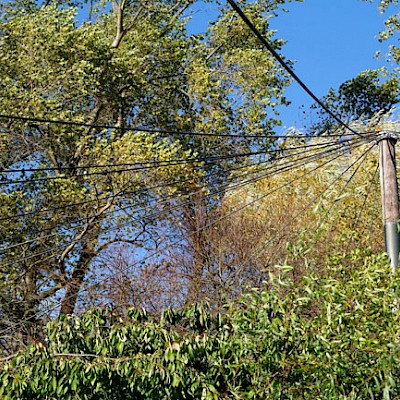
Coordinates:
(331, 41)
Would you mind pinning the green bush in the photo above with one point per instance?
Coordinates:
(329, 338)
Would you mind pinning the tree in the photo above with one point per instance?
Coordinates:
(78, 191)
(392, 25)
(69, 72)
(360, 98)
(317, 199)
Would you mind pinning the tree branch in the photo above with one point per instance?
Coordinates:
(79, 237)
(121, 31)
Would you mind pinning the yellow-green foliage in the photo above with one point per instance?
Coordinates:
(313, 209)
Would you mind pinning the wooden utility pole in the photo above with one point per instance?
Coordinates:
(390, 197)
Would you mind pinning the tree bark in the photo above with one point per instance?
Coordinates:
(74, 285)
(196, 218)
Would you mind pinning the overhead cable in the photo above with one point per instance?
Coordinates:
(152, 130)
(157, 163)
(140, 166)
(283, 167)
(126, 193)
(284, 64)
(300, 161)
(312, 158)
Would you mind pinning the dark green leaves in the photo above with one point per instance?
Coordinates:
(330, 338)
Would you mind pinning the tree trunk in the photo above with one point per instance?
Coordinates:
(73, 287)
(196, 218)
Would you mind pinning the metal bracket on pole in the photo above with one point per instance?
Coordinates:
(392, 243)
(388, 135)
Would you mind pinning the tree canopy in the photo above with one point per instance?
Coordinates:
(360, 98)
(98, 102)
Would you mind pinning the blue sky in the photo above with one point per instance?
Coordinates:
(331, 41)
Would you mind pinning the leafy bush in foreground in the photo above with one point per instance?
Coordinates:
(329, 338)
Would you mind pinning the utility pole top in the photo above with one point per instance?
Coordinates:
(388, 135)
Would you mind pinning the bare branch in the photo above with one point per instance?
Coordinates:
(121, 31)
(79, 236)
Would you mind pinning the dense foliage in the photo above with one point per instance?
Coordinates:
(360, 98)
(329, 338)
(295, 212)
(139, 213)
(74, 195)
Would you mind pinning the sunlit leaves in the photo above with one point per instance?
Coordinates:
(364, 97)
(314, 202)
(332, 337)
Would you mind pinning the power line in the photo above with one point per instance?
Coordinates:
(141, 166)
(154, 214)
(283, 168)
(312, 158)
(137, 166)
(281, 61)
(159, 131)
(125, 193)
(137, 129)
(125, 129)
(289, 164)
(156, 163)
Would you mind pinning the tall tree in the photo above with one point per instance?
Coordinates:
(57, 69)
(71, 192)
